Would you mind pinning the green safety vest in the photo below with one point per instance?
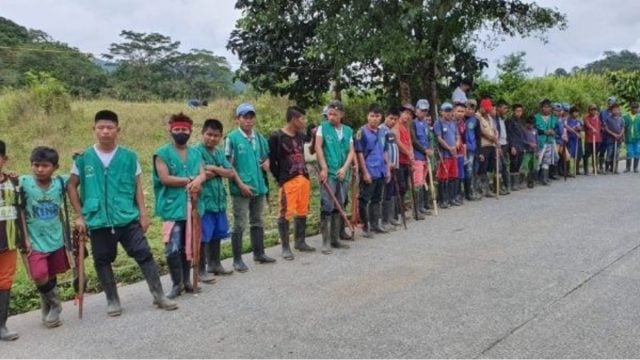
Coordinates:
(108, 194)
(551, 124)
(632, 128)
(247, 157)
(171, 201)
(213, 195)
(9, 211)
(335, 150)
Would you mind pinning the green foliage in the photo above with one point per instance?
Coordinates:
(50, 94)
(626, 85)
(625, 60)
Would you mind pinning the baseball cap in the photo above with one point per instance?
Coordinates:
(446, 106)
(244, 109)
(557, 106)
(335, 104)
(611, 100)
(566, 107)
(422, 104)
(409, 107)
(471, 103)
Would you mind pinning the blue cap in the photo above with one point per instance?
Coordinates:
(557, 106)
(611, 100)
(446, 106)
(422, 104)
(244, 109)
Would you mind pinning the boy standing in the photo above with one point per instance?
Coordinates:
(335, 151)
(421, 150)
(110, 206)
(44, 197)
(592, 138)
(488, 145)
(373, 164)
(614, 128)
(248, 152)
(389, 204)
(215, 225)
(286, 161)
(632, 137)
(573, 126)
(529, 159)
(471, 187)
(9, 232)
(447, 172)
(516, 148)
(406, 157)
(546, 124)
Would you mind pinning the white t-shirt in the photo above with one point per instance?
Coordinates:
(339, 132)
(105, 158)
(459, 96)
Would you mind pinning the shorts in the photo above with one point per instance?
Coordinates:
(8, 260)
(294, 196)
(447, 169)
(633, 150)
(214, 226)
(47, 265)
(460, 161)
(419, 172)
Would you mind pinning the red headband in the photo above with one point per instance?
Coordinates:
(175, 124)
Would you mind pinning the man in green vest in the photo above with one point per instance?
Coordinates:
(248, 152)
(546, 124)
(178, 175)
(632, 137)
(110, 207)
(335, 151)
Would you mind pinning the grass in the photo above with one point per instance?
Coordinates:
(143, 130)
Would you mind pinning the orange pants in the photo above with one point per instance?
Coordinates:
(7, 268)
(295, 195)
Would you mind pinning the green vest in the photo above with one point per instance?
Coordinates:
(247, 157)
(335, 150)
(171, 202)
(551, 124)
(9, 203)
(213, 195)
(632, 127)
(43, 212)
(108, 194)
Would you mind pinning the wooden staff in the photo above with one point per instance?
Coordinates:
(194, 231)
(497, 171)
(399, 201)
(594, 155)
(338, 206)
(79, 244)
(432, 187)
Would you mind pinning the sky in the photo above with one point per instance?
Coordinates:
(594, 26)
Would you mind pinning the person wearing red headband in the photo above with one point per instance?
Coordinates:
(488, 141)
(110, 207)
(178, 173)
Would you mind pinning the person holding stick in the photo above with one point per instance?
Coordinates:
(335, 152)
(614, 128)
(488, 146)
(407, 156)
(573, 127)
(632, 137)
(447, 173)
(592, 139)
(516, 148)
(471, 139)
(390, 206)
(546, 124)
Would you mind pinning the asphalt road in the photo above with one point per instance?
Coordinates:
(551, 272)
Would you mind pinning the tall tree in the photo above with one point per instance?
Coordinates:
(614, 61)
(298, 47)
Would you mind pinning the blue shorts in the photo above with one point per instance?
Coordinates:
(633, 150)
(460, 161)
(215, 226)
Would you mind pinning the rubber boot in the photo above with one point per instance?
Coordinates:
(478, 190)
(578, 160)
(325, 231)
(343, 232)
(468, 190)
(55, 308)
(283, 231)
(545, 177)
(257, 243)
(488, 192)
(600, 164)
(236, 247)
(150, 273)
(186, 275)
(585, 166)
(551, 173)
(627, 168)
(635, 165)
(299, 228)
(387, 210)
(419, 205)
(515, 182)
(375, 212)
(336, 224)
(454, 192)
(505, 184)
(443, 194)
(108, 282)
(205, 277)
(422, 195)
(175, 272)
(5, 334)
(363, 211)
(530, 180)
(214, 266)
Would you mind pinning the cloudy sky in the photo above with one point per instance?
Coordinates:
(594, 27)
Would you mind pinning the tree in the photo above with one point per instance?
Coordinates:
(299, 47)
(512, 71)
(624, 60)
(561, 72)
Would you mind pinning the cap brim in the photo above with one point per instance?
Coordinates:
(243, 113)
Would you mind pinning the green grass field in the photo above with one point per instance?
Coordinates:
(143, 129)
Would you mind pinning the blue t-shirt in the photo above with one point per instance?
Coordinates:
(470, 134)
(369, 143)
(447, 131)
(421, 130)
(614, 124)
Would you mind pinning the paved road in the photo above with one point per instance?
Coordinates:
(553, 272)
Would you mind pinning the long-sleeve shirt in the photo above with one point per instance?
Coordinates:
(515, 134)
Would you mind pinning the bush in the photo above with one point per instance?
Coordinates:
(50, 94)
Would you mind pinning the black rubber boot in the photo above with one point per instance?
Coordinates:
(486, 188)
(375, 214)
(585, 166)
(336, 224)
(257, 243)
(454, 192)
(108, 283)
(442, 194)
(186, 274)
(419, 205)
(530, 180)
(236, 247)
(551, 173)
(635, 165)
(515, 182)
(363, 212)
(214, 266)
(44, 307)
(545, 177)
(55, 308)
(343, 232)
(283, 231)
(205, 277)
(325, 231)
(422, 196)
(299, 228)
(150, 273)
(627, 168)
(175, 272)
(5, 334)
(468, 190)
(387, 215)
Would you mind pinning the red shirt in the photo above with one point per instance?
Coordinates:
(592, 129)
(405, 139)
